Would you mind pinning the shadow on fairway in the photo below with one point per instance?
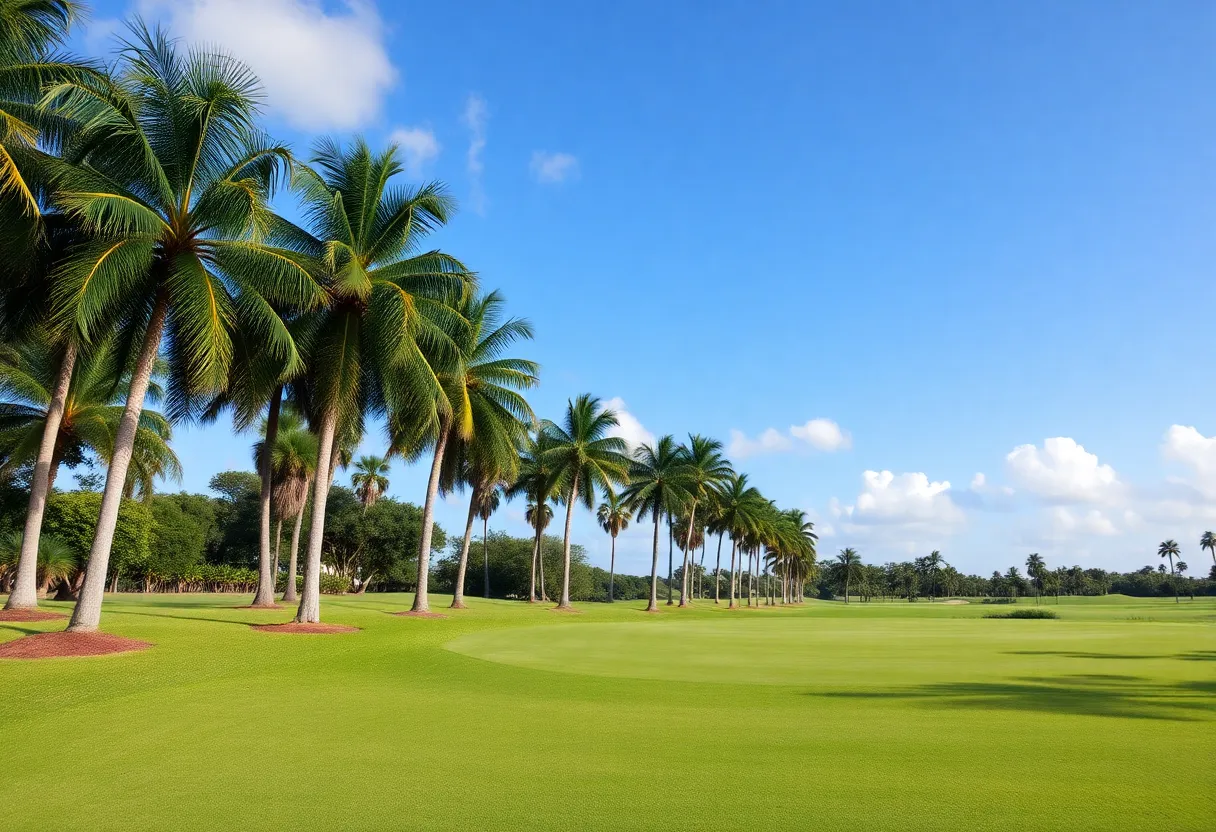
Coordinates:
(1070, 654)
(1198, 656)
(1130, 697)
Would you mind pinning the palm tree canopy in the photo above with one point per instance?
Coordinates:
(370, 479)
(661, 479)
(613, 515)
(538, 517)
(582, 453)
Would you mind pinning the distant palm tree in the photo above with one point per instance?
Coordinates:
(1208, 541)
(538, 517)
(848, 565)
(369, 480)
(707, 471)
(658, 485)
(587, 460)
(1036, 568)
(293, 466)
(614, 519)
(487, 504)
(1014, 580)
(537, 483)
(739, 507)
(1169, 549)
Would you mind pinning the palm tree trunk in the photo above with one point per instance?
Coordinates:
(310, 601)
(278, 545)
(264, 597)
(289, 591)
(611, 569)
(540, 564)
(731, 605)
(532, 582)
(718, 572)
(653, 606)
(692, 518)
(671, 536)
(485, 554)
(422, 603)
(564, 603)
(24, 594)
(846, 587)
(458, 591)
(87, 615)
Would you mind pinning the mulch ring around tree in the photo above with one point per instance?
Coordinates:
(63, 644)
(28, 616)
(566, 610)
(298, 628)
(259, 607)
(415, 614)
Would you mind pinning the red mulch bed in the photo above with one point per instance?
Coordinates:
(27, 616)
(296, 627)
(412, 614)
(58, 645)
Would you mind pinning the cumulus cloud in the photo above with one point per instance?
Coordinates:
(820, 434)
(1067, 524)
(907, 510)
(419, 147)
(322, 69)
(1063, 471)
(554, 168)
(1195, 452)
(628, 426)
(475, 118)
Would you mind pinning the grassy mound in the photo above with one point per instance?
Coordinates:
(1033, 612)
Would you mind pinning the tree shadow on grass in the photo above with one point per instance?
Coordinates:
(1198, 656)
(1077, 654)
(188, 617)
(1128, 697)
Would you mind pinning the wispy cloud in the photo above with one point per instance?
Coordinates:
(475, 117)
(419, 147)
(820, 434)
(554, 168)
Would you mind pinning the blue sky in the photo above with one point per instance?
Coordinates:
(962, 238)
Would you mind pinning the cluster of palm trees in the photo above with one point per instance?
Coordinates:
(140, 247)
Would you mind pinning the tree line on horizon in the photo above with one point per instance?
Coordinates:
(144, 266)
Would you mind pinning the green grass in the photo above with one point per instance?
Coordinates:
(867, 716)
(1025, 613)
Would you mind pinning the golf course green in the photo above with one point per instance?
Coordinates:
(503, 716)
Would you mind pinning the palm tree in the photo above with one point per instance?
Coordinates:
(487, 504)
(848, 566)
(707, 470)
(370, 346)
(1208, 541)
(538, 516)
(1036, 569)
(536, 483)
(1169, 549)
(586, 460)
(172, 177)
(614, 519)
(369, 480)
(56, 560)
(739, 506)
(486, 384)
(659, 481)
(293, 465)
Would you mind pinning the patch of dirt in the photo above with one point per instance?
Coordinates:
(60, 645)
(296, 627)
(259, 607)
(413, 614)
(954, 602)
(29, 616)
(566, 611)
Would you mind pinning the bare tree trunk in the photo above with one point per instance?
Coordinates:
(458, 591)
(535, 557)
(692, 518)
(87, 615)
(731, 605)
(540, 564)
(24, 592)
(278, 544)
(289, 591)
(264, 597)
(564, 603)
(485, 553)
(718, 572)
(612, 570)
(654, 569)
(700, 590)
(422, 601)
(310, 600)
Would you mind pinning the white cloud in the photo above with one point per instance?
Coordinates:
(770, 441)
(553, 168)
(628, 427)
(904, 499)
(1067, 524)
(322, 70)
(1196, 452)
(419, 147)
(823, 434)
(1063, 471)
(475, 117)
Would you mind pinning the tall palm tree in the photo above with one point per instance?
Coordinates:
(538, 516)
(537, 483)
(659, 481)
(707, 470)
(587, 461)
(1169, 549)
(1036, 568)
(173, 179)
(385, 319)
(1208, 541)
(293, 465)
(613, 517)
(370, 480)
(739, 506)
(486, 384)
(848, 565)
(487, 504)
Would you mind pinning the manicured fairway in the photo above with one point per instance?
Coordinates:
(881, 716)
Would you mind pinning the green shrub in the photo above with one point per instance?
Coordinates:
(71, 516)
(1029, 612)
(333, 584)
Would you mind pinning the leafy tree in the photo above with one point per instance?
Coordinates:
(584, 457)
(235, 486)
